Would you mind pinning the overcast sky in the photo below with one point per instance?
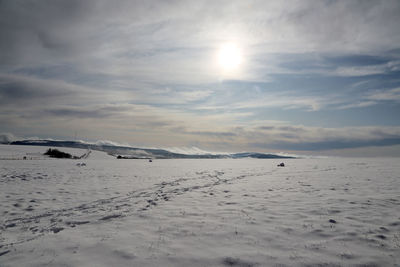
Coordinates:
(315, 77)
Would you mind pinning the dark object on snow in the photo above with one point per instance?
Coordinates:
(150, 160)
(281, 164)
(54, 153)
(332, 221)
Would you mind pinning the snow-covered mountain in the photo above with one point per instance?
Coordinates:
(127, 152)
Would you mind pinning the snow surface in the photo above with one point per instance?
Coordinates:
(211, 212)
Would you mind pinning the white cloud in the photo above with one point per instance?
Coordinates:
(359, 71)
(7, 137)
(385, 95)
(191, 151)
(361, 104)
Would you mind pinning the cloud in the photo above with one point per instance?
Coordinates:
(87, 112)
(302, 138)
(374, 98)
(7, 138)
(92, 28)
(110, 143)
(385, 95)
(367, 70)
(146, 72)
(359, 71)
(14, 88)
(191, 151)
(361, 104)
(210, 133)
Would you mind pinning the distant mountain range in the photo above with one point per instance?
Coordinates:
(126, 152)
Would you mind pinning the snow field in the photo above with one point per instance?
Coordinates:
(222, 212)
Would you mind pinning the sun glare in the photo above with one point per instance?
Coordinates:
(229, 57)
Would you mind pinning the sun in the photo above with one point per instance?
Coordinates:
(229, 56)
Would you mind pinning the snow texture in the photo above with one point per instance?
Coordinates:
(197, 212)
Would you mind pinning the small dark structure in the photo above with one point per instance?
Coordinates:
(150, 160)
(281, 164)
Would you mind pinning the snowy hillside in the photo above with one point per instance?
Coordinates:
(128, 152)
(13, 152)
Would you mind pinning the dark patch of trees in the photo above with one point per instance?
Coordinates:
(55, 153)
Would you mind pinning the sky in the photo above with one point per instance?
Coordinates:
(304, 77)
